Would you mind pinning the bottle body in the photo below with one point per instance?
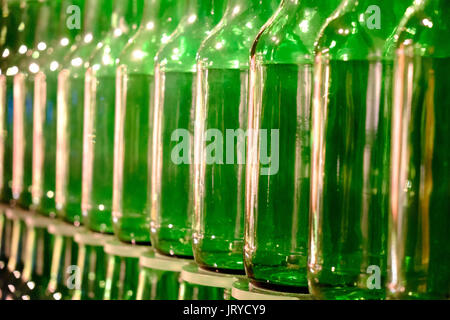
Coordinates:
(134, 120)
(171, 180)
(99, 117)
(45, 109)
(130, 213)
(70, 112)
(278, 160)
(171, 197)
(25, 71)
(350, 156)
(419, 254)
(12, 16)
(220, 134)
(354, 149)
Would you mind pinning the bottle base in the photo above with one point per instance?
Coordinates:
(328, 292)
(279, 287)
(222, 270)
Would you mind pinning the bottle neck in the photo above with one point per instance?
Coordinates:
(205, 9)
(154, 9)
(46, 27)
(379, 17)
(8, 31)
(25, 27)
(64, 31)
(97, 17)
(242, 5)
(295, 5)
(126, 14)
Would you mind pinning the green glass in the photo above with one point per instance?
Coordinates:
(245, 290)
(9, 37)
(219, 139)
(62, 283)
(37, 260)
(70, 110)
(350, 153)
(201, 293)
(3, 240)
(26, 69)
(198, 284)
(135, 91)
(45, 104)
(277, 229)
(90, 272)
(122, 274)
(158, 285)
(16, 257)
(99, 117)
(171, 197)
(159, 277)
(6, 231)
(419, 250)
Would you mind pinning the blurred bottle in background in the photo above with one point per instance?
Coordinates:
(277, 229)
(12, 15)
(171, 197)
(219, 141)
(57, 43)
(419, 250)
(22, 86)
(70, 110)
(99, 116)
(133, 129)
(351, 146)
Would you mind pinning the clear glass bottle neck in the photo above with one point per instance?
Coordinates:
(205, 9)
(29, 13)
(97, 17)
(47, 21)
(126, 13)
(235, 7)
(299, 4)
(153, 9)
(63, 30)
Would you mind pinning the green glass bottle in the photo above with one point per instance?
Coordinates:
(21, 149)
(135, 91)
(12, 16)
(159, 277)
(419, 250)
(350, 153)
(24, 71)
(45, 103)
(99, 116)
(171, 198)
(62, 283)
(16, 255)
(122, 273)
(277, 229)
(219, 139)
(70, 110)
(199, 284)
(89, 275)
(37, 246)
(37, 260)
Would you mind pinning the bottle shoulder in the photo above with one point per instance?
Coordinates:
(77, 60)
(180, 52)
(105, 57)
(139, 54)
(425, 32)
(345, 38)
(230, 42)
(288, 38)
